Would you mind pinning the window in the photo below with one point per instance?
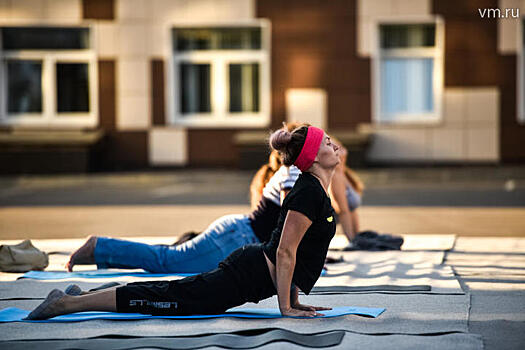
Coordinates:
(24, 78)
(244, 87)
(48, 77)
(195, 94)
(220, 76)
(408, 73)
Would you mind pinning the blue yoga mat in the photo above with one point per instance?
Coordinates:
(102, 273)
(13, 314)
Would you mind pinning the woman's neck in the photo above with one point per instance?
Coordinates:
(324, 176)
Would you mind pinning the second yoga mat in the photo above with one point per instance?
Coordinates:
(233, 340)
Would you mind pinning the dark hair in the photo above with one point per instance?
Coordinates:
(289, 144)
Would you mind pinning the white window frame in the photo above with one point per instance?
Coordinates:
(520, 81)
(220, 117)
(437, 53)
(49, 117)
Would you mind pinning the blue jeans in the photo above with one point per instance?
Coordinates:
(201, 254)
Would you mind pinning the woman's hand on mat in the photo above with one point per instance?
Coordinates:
(310, 307)
(294, 297)
(292, 312)
(303, 311)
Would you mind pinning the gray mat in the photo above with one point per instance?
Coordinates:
(490, 264)
(247, 340)
(500, 317)
(369, 289)
(492, 270)
(456, 341)
(396, 268)
(405, 314)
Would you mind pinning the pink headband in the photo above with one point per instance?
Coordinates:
(306, 158)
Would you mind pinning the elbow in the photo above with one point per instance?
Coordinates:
(284, 254)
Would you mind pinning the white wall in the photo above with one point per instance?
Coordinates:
(308, 106)
(30, 11)
(168, 146)
(469, 129)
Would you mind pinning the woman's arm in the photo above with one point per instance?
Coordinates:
(294, 228)
(340, 204)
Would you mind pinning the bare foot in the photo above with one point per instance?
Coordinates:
(50, 307)
(83, 255)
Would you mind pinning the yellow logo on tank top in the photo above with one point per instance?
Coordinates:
(330, 219)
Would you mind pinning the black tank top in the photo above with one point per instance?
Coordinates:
(309, 198)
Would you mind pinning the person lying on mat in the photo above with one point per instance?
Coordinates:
(206, 250)
(291, 260)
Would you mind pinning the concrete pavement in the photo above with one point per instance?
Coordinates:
(457, 187)
(173, 220)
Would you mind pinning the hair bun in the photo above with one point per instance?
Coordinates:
(280, 139)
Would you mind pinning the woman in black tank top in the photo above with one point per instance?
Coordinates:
(291, 260)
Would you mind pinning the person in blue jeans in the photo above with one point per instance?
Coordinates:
(201, 253)
(207, 249)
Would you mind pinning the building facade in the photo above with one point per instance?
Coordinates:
(120, 84)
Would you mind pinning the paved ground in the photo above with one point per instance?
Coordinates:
(173, 220)
(483, 201)
(467, 187)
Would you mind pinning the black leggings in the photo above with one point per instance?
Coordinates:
(241, 277)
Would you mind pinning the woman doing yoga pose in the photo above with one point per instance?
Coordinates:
(345, 190)
(292, 259)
